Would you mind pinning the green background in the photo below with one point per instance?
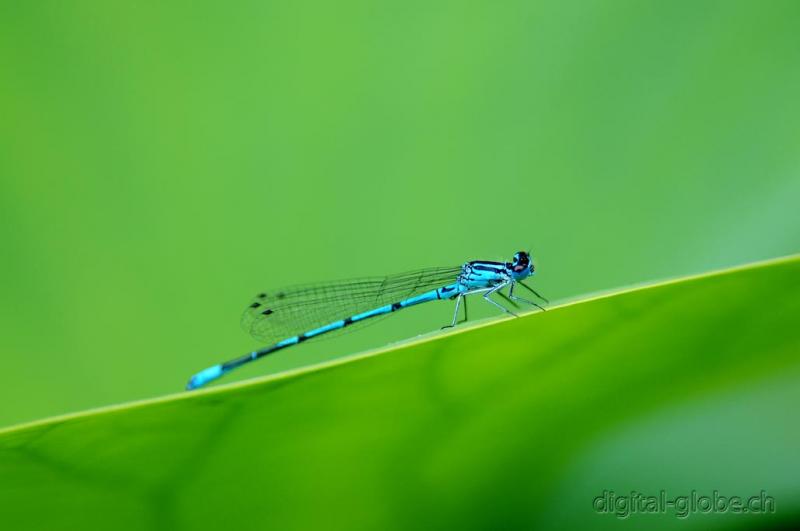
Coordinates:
(162, 162)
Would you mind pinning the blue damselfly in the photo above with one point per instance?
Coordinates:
(291, 316)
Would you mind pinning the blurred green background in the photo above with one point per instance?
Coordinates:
(162, 163)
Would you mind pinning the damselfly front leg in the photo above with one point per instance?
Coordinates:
(515, 298)
(512, 303)
(493, 290)
(527, 287)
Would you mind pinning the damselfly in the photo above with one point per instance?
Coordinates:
(294, 315)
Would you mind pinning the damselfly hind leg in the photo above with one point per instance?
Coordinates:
(455, 314)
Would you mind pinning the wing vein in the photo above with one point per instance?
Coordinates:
(280, 314)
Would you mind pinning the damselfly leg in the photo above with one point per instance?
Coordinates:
(486, 293)
(505, 297)
(515, 298)
(527, 287)
(455, 314)
(494, 290)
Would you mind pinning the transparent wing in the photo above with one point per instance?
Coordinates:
(276, 315)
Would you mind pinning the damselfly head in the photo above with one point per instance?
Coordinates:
(522, 265)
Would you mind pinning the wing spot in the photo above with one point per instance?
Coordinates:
(266, 312)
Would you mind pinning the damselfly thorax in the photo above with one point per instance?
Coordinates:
(482, 274)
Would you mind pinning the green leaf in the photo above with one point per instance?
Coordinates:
(688, 385)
